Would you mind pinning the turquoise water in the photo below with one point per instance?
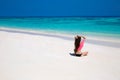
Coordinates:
(97, 26)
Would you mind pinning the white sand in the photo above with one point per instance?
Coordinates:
(37, 57)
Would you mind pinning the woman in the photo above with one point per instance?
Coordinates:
(79, 43)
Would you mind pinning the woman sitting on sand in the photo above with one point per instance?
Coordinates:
(79, 43)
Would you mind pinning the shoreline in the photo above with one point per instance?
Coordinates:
(68, 33)
(109, 41)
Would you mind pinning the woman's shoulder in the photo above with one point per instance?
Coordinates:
(83, 39)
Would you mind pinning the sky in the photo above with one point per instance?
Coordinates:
(59, 7)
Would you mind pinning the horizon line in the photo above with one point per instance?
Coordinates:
(51, 16)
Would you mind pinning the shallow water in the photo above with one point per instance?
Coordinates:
(93, 26)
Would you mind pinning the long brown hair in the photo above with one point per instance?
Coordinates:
(77, 43)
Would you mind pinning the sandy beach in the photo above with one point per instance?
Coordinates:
(33, 56)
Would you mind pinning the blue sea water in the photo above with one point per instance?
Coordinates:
(95, 26)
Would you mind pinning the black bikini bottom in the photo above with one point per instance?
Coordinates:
(78, 55)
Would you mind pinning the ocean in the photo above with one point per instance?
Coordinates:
(92, 26)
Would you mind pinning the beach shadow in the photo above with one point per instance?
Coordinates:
(36, 34)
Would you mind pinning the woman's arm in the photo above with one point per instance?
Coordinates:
(82, 37)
